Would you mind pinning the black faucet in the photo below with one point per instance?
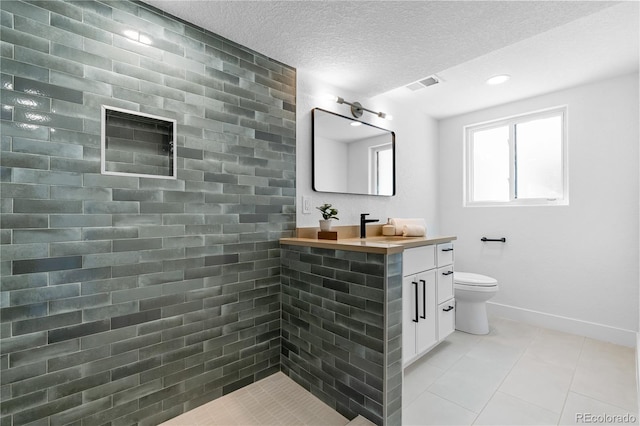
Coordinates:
(363, 224)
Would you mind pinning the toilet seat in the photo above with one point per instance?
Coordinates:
(468, 279)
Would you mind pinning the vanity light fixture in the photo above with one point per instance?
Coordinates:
(498, 79)
(357, 109)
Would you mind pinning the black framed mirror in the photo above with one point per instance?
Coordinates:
(351, 157)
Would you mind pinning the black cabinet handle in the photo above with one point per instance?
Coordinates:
(424, 299)
(416, 289)
(447, 273)
(447, 309)
(448, 249)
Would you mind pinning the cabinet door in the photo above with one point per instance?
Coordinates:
(426, 333)
(410, 316)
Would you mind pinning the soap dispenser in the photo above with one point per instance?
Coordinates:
(388, 229)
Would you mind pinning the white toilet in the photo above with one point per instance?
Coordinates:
(472, 292)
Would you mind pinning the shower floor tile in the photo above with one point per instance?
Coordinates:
(274, 400)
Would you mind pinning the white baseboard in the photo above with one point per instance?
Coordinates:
(593, 330)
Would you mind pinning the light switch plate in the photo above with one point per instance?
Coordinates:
(306, 204)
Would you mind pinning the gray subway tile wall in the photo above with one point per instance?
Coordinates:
(342, 329)
(124, 299)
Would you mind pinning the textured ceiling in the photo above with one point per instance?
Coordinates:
(374, 46)
(592, 48)
(371, 47)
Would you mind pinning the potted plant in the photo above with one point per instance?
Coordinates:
(328, 213)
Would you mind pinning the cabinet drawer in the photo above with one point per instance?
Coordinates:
(445, 283)
(445, 254)
(446, 318)
(418, 259)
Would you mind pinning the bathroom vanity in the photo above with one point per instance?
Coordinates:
(348, 309)
(428, 307)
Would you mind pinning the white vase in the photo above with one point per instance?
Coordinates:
(325, 224)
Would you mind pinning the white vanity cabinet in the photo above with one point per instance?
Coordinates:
(428, 308)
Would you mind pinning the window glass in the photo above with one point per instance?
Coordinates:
(491, 164)
(384, 171)
(539, 158)
(517, 161)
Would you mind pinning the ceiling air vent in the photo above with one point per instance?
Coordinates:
(426, 82)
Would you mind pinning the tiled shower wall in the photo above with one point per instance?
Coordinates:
(129, 299)
(342, 329)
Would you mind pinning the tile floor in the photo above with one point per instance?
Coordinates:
(275, 400)
(516, 375)
(519, 374)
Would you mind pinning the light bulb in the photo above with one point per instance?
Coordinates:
(330, 97)
(498, 79)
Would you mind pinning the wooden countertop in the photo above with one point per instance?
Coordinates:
(375, 244)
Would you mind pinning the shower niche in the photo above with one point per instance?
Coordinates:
(137, 144)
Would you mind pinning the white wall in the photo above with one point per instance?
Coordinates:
(416, 159)
(575, 267)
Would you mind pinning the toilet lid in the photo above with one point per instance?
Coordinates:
(468, 278)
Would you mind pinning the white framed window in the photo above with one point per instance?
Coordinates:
(520, 160)
(381, 170)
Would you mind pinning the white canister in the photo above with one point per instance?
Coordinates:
(388, 230)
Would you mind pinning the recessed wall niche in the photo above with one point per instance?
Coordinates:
(138, 144)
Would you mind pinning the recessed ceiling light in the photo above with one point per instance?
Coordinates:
(498, 79)
(356, 123)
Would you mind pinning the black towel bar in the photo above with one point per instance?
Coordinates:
(498, 240)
